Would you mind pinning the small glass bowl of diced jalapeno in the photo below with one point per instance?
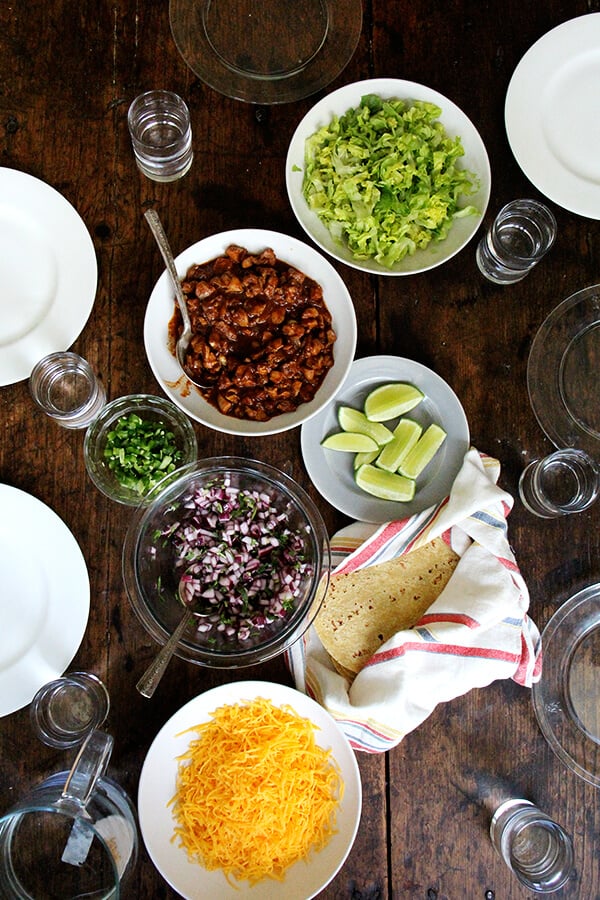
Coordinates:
(134, 443)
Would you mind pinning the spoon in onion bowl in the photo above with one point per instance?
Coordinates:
(155, 671)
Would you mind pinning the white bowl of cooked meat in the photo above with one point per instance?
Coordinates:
(274, 332)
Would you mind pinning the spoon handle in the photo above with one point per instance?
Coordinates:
(158, 231)
(149, 680)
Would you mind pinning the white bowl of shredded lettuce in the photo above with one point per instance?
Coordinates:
(388, 176)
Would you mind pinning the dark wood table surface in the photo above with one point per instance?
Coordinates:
(68, 71)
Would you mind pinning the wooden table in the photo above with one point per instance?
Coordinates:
(68, 71)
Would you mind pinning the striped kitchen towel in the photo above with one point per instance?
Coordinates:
(477, 631)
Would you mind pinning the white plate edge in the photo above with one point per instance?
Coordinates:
(70, 569)
(522, 121)
(78, 274)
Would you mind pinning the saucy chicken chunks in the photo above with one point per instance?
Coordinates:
(262, 335)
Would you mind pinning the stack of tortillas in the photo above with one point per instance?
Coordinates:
(402, 629)
(364, 608)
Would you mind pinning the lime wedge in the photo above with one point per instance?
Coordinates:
(406, 434)
(391, 400)
(385, 485)
(423, 452)
(362, 459)
(350, 442)
(353, 420)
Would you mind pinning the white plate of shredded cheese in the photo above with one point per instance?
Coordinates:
(158, 786)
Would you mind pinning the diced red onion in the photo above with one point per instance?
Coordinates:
(237, 556)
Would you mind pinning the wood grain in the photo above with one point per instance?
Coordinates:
(68, 71)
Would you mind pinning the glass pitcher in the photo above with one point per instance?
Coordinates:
(73, 836)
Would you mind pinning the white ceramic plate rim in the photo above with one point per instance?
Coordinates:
(46, 621)
(552, 115)
(47, 237)
(157, 787)
(455, 123)
(331, 471)
(160, 310)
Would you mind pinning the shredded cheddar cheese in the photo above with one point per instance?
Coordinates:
(255, 793)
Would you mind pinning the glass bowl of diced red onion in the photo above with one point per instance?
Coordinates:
(242, 546)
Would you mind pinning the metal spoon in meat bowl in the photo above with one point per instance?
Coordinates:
(185, 337)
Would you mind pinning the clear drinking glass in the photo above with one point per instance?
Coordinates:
(65, 387)
(533, 846)
(161, 135)
(564, 482)
(66, 710)
(521, 234)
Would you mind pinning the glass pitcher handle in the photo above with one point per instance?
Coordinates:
(90, 764)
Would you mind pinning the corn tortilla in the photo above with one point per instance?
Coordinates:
(363, 609)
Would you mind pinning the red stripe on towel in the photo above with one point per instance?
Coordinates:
(448, 649)
(460, 618)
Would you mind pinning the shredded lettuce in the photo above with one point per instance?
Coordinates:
(384, 178)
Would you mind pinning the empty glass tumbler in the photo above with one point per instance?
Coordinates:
(65, 387)
(564, 482)
(64, 711)
(521, 234)
(161, 135)
(534, 847)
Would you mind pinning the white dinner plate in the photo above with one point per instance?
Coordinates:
(160, 311)
(552, 115)
(157, 787)
(332, 472)
(48, 272)
(44, 597)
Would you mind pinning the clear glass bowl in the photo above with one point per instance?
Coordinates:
(254, 50)
(149, 408)
(152, 582)
(566, 699)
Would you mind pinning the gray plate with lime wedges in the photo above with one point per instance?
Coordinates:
(333, 472)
